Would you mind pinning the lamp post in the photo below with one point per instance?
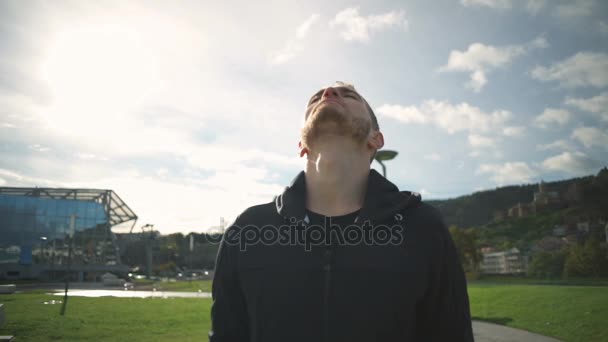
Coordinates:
(384, 155)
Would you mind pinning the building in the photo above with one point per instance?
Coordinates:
(521, 210)
(543, 197)
(506, 262)
(35, 226)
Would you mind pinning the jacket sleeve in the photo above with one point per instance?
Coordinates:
(229, 321)
(444, 313)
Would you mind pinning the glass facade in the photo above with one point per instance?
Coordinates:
(35, 225)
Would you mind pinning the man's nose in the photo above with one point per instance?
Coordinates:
(330, 92)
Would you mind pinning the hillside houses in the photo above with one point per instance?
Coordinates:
(543, 200)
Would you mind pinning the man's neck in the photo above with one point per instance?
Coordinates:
(337, 172)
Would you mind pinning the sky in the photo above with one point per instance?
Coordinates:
(191, 110)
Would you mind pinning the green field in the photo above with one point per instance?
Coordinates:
(184, 286)
(570, 313)
(106, 319)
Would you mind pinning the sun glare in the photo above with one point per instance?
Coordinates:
(95, 75)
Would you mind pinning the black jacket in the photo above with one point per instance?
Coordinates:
(408, 290)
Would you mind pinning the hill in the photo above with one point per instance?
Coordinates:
(588, 195)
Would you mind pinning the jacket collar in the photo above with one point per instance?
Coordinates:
(382, 198)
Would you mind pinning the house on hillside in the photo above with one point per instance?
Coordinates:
(521, 210)
(546, 200)
(543, 200)
(559, 230)
(511, 261)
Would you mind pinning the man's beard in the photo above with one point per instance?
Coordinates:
(330, 120)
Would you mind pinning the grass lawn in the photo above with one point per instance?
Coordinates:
(570, 313)
(106, 319)
(185, 286)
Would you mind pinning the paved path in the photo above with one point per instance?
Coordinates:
(489, 332)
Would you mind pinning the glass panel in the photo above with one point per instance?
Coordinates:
(81, 209)
(41, 207)
(91, 210)
(51, 209)
(19, 204)
(62, 208)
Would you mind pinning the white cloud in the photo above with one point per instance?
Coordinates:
(39, 148)
(513, 131)
(597, 104)
(90, 156)
(531, 6)
(496, 4)
(603, 27)
(20, 180)
(552, 116)
(561, 145)
(451, 118)
(289, 51)
(479, 59)
(535, 6)
(304, 28)
(573, 163)
(433, 157)
(7, 125)
(508, 173)
(565, 9)
(575, 8)
(2, 181)
(409, 114)
(355, 27)
(584, 69)
(464, 117)
(294, 46)
(591, 136)
(480, 141)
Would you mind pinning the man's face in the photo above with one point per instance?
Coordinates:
(337, 111)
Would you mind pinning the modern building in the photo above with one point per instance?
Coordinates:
(506, 262)
(46, 231)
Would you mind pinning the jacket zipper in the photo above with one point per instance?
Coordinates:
(327, 268)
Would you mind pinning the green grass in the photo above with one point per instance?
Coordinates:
(569, 313)
(105, 319)
(513, 280)
(184, 286)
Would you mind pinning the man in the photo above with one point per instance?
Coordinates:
(341, 254)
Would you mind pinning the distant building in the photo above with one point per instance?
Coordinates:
(583, 227)
(559, 230)
(35, 224)
(500, 215)
(521, 210)
(506, 262)
(543, 200)
(545, 197)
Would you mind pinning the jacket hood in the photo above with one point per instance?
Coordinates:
(382, 199)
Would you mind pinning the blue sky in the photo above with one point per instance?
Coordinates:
(191, 110)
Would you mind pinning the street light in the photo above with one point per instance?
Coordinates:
(384, 155)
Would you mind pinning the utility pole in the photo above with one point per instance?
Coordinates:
(67, 274)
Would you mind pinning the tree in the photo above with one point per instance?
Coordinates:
(586, 260)
(466, 244)
(547, 264)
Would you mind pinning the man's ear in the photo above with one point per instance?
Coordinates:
(376, 141)
(303, 150)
